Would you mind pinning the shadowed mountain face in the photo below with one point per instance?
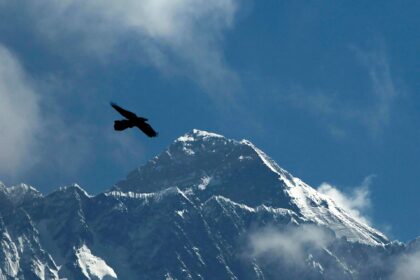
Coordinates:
(206, 208)
(212, 165)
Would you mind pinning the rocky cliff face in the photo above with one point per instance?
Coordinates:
(206, 208)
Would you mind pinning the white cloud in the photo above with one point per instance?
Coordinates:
(33, 134)
(290, 245)
(355, 203)
(19, 116)
(407, 266)
(176, 36)
(374, 115)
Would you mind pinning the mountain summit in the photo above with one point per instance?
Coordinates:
(207, 207)
(208, 164)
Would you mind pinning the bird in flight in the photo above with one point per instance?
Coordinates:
(131, 121)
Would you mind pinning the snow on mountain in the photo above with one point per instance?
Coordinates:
(21, 255)
(208, 207)
(20, 193)
(93, 268)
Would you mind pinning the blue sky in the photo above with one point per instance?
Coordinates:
(328, 90)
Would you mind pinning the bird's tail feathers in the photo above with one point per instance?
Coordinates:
(122, 124)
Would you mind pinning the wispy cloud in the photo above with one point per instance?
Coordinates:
(407, 266)
(290, 245)
(177, 37)
(336, 112)
(20, 121)
(383, 89)
(33, 133)
(357, 202)
(126, 151)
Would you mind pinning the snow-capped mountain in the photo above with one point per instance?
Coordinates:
(208, 207)
(208, 164)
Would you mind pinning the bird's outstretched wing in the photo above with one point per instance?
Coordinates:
(147, 129)
(127, 114)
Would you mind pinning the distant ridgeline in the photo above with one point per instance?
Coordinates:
(208, 207)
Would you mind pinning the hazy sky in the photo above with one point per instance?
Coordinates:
(328, 90)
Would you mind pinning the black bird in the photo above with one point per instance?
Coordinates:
(131, 121)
